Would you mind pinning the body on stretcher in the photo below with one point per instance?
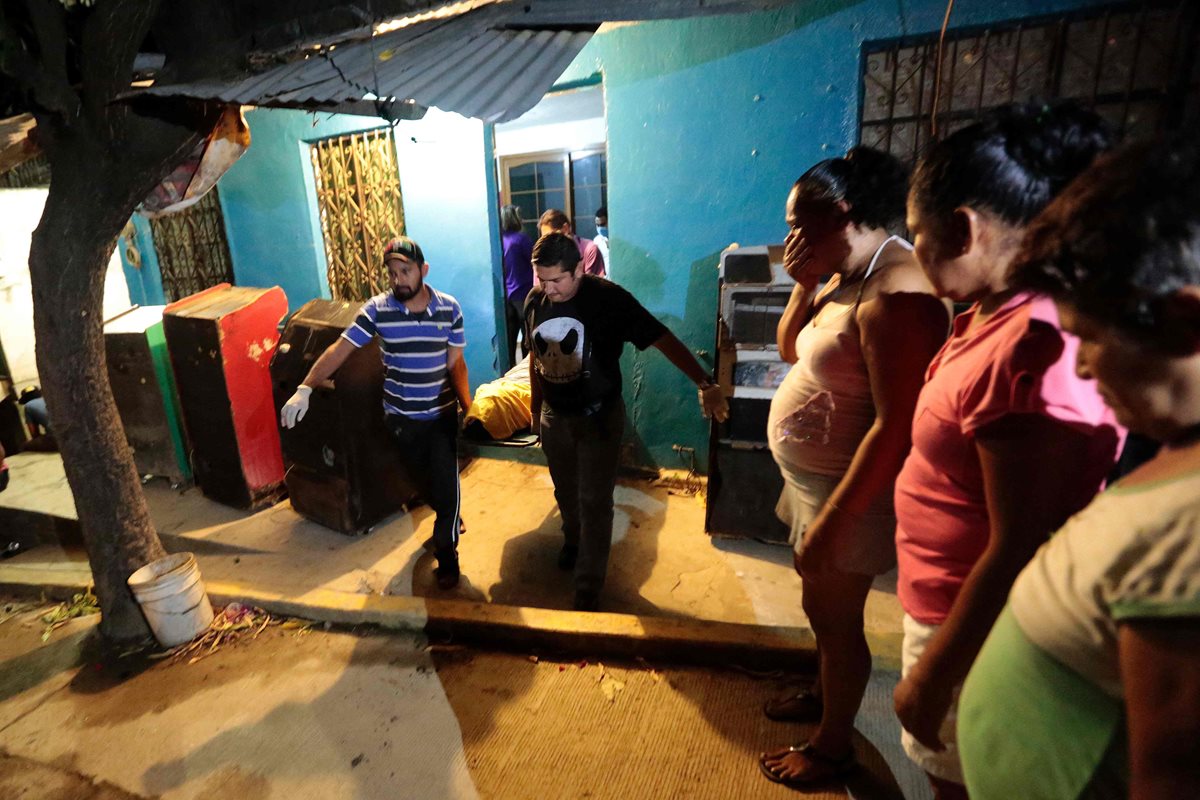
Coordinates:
(500, 408)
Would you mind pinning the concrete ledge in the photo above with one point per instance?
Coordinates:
(571, 633)
(34, 527)
(324, 605)
(620, 635)
(520, 628)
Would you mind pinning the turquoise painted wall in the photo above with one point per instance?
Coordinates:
(709, 122)
(269, 204)
(450, 207)
(145, 279)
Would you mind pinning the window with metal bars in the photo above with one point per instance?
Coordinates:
(358, 195)
(193, 253)
(34, 173)
(1134, 63)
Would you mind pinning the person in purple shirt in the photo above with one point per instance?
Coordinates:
(555, 221)
(518, 273)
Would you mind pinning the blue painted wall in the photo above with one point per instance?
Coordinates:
(269, 204)
(709, 122)
(145, 279)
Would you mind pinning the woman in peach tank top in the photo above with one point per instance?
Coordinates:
(839, 426)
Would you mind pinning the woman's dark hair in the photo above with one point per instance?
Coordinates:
(1011, 162)
(510, 219)
(1121, 239)
(556, 250)
(872, 183)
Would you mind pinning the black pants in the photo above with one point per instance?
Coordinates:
(513, 311)
(430, 450)
(582, 453)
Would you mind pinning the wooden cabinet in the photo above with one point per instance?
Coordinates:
(344, 471)
(139, 371)
(220, 342)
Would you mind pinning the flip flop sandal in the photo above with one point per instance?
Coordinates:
(804, 706)
(826, 768)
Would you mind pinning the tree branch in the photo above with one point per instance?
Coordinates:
(112, 34)
(49, 26)
(46, 90)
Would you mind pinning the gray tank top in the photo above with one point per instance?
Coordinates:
(824, 408)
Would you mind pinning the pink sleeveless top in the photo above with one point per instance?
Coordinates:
(824, 406)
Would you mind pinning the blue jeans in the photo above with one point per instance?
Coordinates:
(36, 413)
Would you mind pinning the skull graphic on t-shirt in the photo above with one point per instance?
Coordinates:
(559, 345)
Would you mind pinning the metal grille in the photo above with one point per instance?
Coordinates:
(31, 174)
(1134, 64)
(358, 194)
(193, 253)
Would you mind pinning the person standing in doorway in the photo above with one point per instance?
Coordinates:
(421, 341)
(518, 274)
(555, 221)
(601, 239)
(577, 325)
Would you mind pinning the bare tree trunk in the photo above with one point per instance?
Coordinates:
(105, 157)
(93, 191)
(68, 261)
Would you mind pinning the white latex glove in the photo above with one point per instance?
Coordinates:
(296, 407)
(713, 403)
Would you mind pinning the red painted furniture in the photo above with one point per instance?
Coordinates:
(221, 341)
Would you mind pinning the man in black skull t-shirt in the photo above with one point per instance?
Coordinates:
(577, 325)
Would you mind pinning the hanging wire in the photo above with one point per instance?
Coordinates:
(381, 108)
(937, 79)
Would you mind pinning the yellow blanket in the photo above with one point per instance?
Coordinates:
(502, 405)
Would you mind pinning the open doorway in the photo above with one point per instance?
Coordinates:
(555, 156)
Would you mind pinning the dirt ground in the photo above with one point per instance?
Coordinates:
(312, 713)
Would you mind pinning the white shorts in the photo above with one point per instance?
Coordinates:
(944, 764)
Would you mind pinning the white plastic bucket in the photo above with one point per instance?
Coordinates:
(173, 599)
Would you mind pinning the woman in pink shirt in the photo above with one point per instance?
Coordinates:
(1007, 441)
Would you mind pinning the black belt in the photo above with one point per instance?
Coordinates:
(587, 411)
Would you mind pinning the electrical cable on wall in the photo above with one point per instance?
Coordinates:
(380, 106)
(937, 79)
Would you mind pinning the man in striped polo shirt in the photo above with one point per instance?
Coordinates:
(421, 340)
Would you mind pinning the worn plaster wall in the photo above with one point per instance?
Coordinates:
(709, 122)
(21, 210)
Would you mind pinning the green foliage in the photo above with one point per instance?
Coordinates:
(81, 605)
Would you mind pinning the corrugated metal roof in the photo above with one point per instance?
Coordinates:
(490, 60)
(470, 64)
